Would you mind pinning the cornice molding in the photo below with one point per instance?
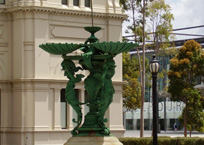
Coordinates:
(62, 11)
(115, 82)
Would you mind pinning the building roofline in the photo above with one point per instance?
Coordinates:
(61, 11)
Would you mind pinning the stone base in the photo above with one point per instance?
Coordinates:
(93, 141)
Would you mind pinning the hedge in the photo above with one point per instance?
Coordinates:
(163, 141)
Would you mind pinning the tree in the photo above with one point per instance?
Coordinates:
(185, 67)
(160, 27)
(131, 90)
(138, 30)
(142, 11)
(195, 114)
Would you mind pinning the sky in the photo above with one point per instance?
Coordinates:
(187, 13)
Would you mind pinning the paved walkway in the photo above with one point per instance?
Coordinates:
(136, 133)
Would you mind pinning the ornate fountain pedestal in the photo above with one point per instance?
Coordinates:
(111, 140)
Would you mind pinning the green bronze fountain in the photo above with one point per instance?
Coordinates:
(97, 58)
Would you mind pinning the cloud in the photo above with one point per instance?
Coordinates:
(187, 13)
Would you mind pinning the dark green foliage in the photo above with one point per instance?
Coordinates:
(195, 114)
(136, 141)
(185, 67)
(163, 141)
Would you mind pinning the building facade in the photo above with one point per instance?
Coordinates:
(168, 113)
(32, 106)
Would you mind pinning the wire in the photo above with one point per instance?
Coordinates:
(173, 34)
(187, 34)
(179, 29)
(188, 28)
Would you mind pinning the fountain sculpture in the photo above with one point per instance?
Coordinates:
(97, 58)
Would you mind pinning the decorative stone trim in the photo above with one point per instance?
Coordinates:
(3, 45)
(11, 130)
(28, 43)
(51, 80)
(62, 11)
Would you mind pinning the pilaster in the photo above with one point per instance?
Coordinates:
(70, 4)
(110, 6)
(114, 33)
(117, 8)
(6, 106)
(57, 122)
(82, 4)
(116, 107)
(28, 43)
(4, 47)
(23, 47)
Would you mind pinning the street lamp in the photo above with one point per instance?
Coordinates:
(154, 69)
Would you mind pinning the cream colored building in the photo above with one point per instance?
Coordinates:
(31, 81)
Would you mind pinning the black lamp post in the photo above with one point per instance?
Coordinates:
(154, 69)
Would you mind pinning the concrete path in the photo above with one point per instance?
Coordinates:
(136, 133)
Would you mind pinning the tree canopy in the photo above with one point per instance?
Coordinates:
(194, 111)
(131, 90)
(185, 69)
(160, 26)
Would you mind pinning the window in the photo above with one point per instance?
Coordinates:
(63, 111)
(87, 3)
(2, 1)
(64, 2)
(74, 114)
(76, 2)
(0, 109)
(129, 124)
(0, 115)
